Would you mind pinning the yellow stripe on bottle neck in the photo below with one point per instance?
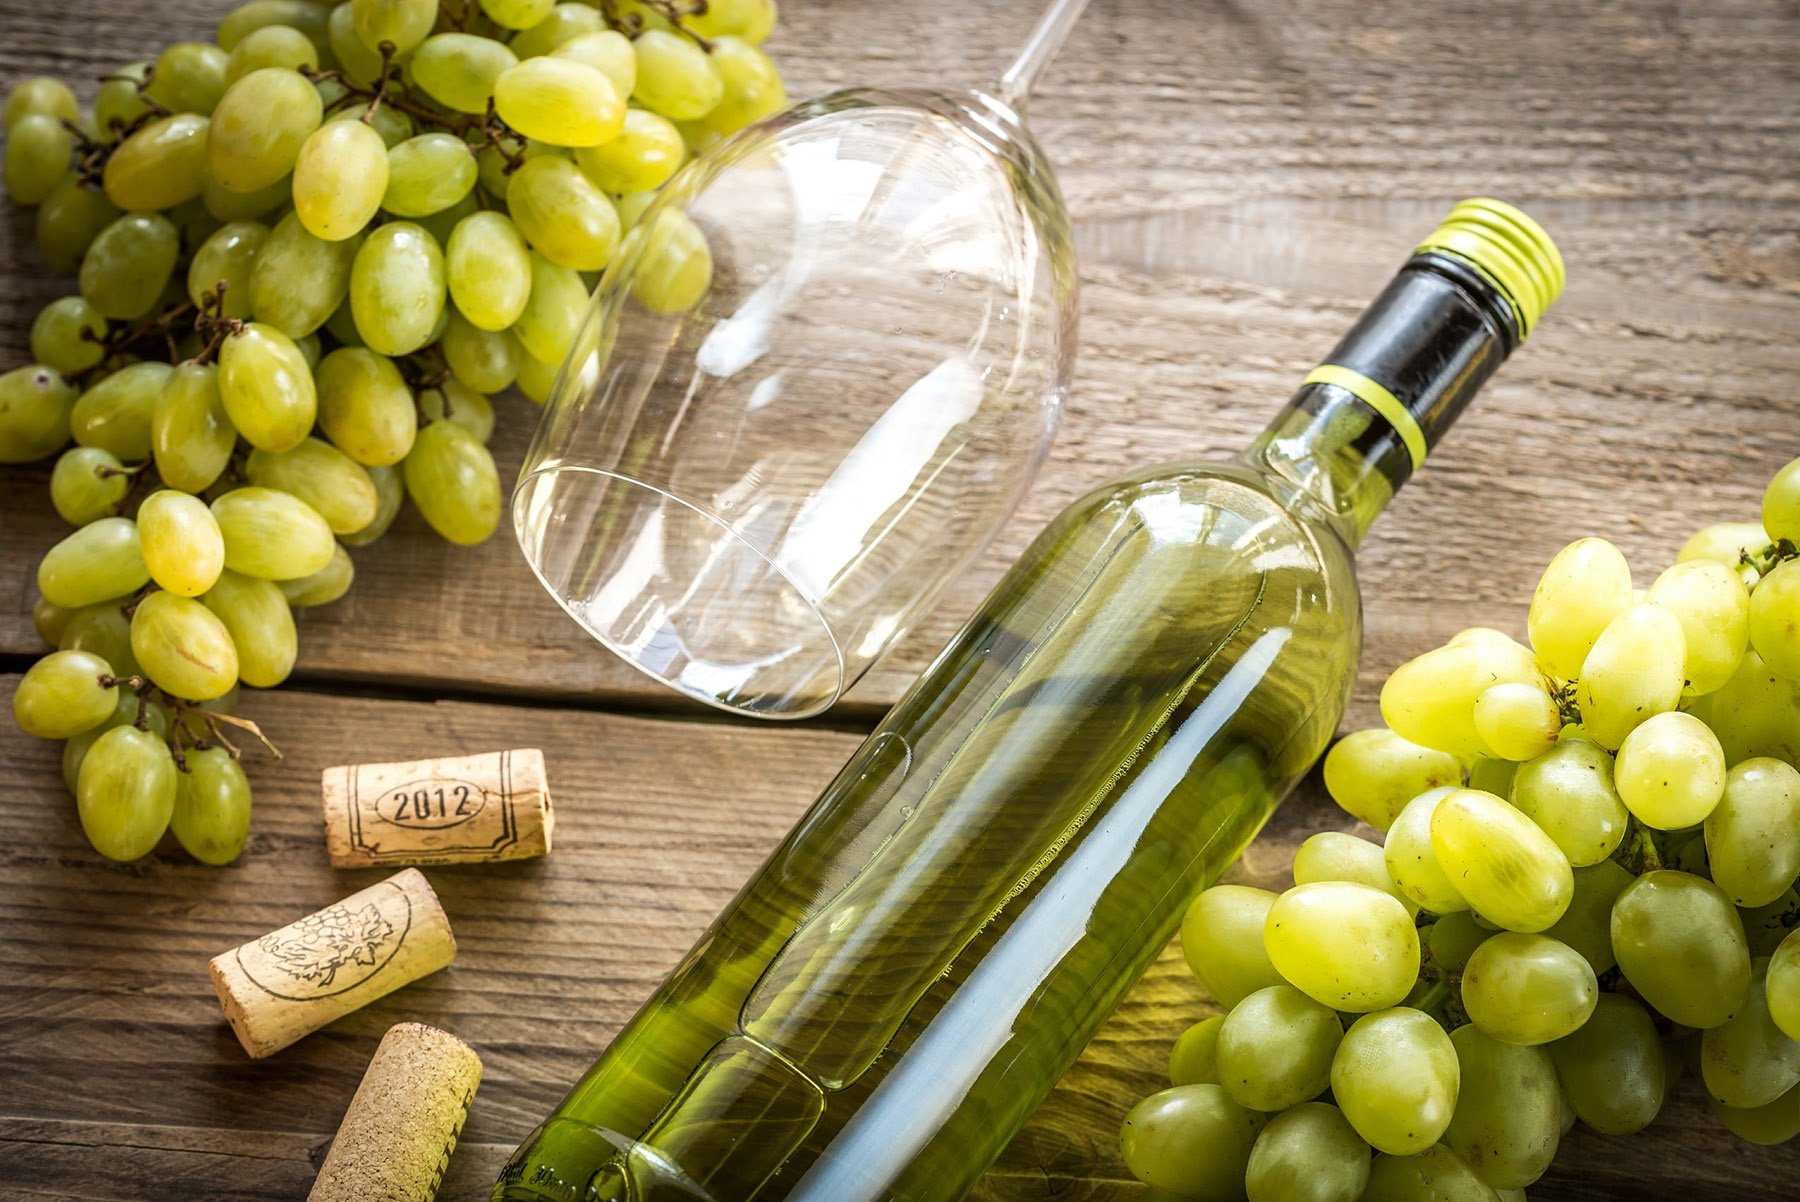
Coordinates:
(1377, 397)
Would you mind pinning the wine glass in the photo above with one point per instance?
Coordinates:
(822, 369)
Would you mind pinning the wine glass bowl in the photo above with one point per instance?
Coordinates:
(821, 371)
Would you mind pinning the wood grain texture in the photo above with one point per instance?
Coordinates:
(1243, 177)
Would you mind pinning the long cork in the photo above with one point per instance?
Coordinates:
(293, 981)
(472, 809)
(395, 1141)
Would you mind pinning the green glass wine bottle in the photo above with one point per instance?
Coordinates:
(915, 966)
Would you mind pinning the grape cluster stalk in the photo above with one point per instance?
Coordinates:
(307, 253)
(1583, 888)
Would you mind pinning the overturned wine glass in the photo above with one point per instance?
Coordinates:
(821, 371)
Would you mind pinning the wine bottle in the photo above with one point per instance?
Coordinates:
(918, 962)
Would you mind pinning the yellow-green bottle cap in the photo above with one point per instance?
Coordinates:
(1509, 249)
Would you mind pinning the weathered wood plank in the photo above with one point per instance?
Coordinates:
(1243, 180)
(111, 1040)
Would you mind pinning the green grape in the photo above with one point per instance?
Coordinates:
(50, 620)
(189, 77)
(69, 220)
(1493, 776)
(328, 480)
(547, 326)
(441, 224)
(323, 586)
(103, 629)
(160, 166)
(489, 271)
(1775, 1123)
(227, 258)
(632, 205)
(1437, 1174)
(390, 491)
(1753, 836)
(563, 214)
(458, 70)
(608, 52)
(1584, 588)
(1781, 505)
(1309, 1153)
(88, 484)
(1275, 1048)
(266, 387)
(1527, 989)
(115, 413)
(300, 278)
(1586, 925)
(697, 137)
(40, 95)
(1756, 713)
(644, 155)
(456, 402)
(559, 101)
(1568, 792)
(1775, 619)
(451, 477)
(405, 23)
(1192, 1140)
(1782, 987)
(259, 127)
(125, 792)
(227, 205)
(1517, 721)
(1766, 926)
(1508, 1114)
(1635, 671)
(272, 535)
(196, 225)
(359, 63)
(118, 102)
(271, 46)
(1725, 542)
(211, 818)
(1412, 862)
(1452, 939)
(1713, 607)
(1670, 771)
(1430, 700)
(675, 77)
(35, 404)
(390, 123)
(182, 647)
(64, 694)
(1336, 856)
(181, 543)
(751, 20)
(339, 179)
(1681, 944)
(128, 264)
(98, 562)
(191, 436)
(1748, 1061)
(753, 88)
(1195, 1057)
(1612, 1069)
(517, 14)
(565, 23)
(536, 378)
(365, 407)
(675, 269)
(397, 288)
(125, 713)
(38, 149)
(1346, 945)
(428, 174)
(1395, 1077)
(256, 614)
(1222, 938)
(307, 16)
(1506, 868)
(483, 360)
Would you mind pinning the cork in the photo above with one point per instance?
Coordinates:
(396, 1139)
(470, 809)
(293, 981)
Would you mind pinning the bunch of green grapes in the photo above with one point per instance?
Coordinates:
(307, 254)
(1585, 887)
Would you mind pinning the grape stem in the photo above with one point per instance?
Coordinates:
(92, 155)
(213, 720)
(1638, 853)
(674, 12)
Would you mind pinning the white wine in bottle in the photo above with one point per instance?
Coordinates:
(919, 961)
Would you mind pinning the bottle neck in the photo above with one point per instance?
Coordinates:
(1364, 421)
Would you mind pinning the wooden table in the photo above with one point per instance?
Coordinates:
(1243, 178)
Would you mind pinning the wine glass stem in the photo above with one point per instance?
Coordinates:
(1052, 30)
